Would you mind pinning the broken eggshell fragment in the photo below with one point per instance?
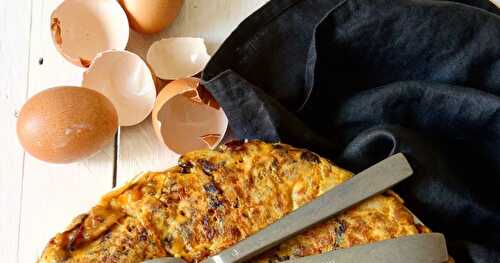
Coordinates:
(186, 117)
(125, 79)
(177, 57)
(81, 29)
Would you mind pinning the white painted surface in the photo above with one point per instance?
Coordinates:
(14, 48)
(54, 194)
(39, 199)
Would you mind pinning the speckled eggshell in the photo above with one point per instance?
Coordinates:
(66, 124)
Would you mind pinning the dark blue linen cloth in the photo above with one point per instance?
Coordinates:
(359, 80)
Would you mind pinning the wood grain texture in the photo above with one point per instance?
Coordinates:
(14, 53)
(214, 20)
(54, 194)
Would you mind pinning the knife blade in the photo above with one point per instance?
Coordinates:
(423, 248)
(362, 186)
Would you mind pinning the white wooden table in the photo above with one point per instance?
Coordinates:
(39, 199)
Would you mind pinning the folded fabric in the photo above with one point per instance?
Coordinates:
(358, 80)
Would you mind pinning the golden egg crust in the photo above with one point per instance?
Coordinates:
(214, 198)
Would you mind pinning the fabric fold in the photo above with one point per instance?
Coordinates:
(255, 115)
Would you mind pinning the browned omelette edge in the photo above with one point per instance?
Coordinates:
(114, 216)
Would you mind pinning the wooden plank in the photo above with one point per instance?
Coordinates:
(213, 20)
(54, 194)
(14, 53)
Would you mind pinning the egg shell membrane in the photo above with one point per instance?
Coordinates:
(178, 57)
(184, 121)
(211, 139)
(81, 29)
(125, 79)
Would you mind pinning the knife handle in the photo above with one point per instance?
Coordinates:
(368, 183)
(423, 248)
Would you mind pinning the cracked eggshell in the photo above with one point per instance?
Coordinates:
(66, 124)
(177, 57)
(81, 29)
(151, 16)
(125, 79)
(186, 117)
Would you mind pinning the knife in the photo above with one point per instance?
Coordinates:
(423, 248)
(362, 186)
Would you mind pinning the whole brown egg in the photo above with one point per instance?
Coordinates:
(151, 16)
(66, 124)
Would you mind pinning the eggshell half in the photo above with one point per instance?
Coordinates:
(151, 16)
(186, 118)
(177, 57)
(125, 79)
(81, 29)
(66, 124)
